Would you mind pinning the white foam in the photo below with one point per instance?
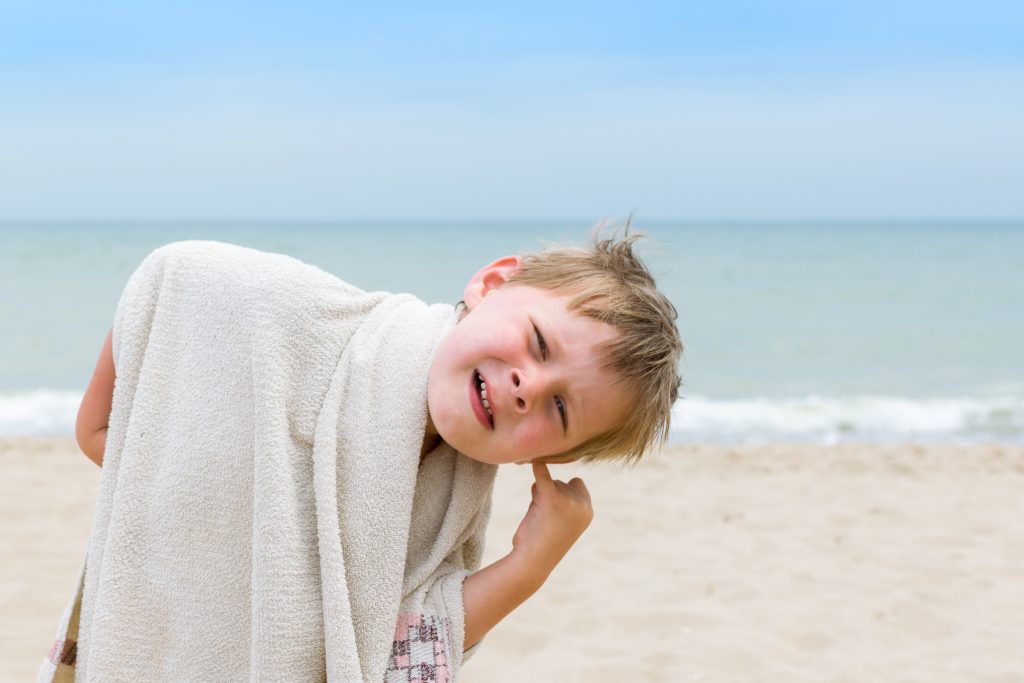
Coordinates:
(858, 418)
(826, 419)
(39, 413)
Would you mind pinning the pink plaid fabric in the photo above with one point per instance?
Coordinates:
(63, 652)
(421, 652)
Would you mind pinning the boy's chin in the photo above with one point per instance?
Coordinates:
(485, 461)
(488, 458)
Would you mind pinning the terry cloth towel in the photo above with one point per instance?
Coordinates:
(262, 514)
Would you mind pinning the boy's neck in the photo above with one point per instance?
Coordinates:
(430, 442)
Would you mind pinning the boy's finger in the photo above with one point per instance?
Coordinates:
(578, 484)
(540, 471)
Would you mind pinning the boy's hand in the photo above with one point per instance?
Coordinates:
(558, 515)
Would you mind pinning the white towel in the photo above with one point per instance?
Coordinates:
(260, 515)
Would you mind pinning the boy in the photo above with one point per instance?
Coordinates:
(555, 356)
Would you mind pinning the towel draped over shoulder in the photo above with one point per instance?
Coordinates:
(262, 512)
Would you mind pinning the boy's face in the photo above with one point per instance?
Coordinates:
(543, 399)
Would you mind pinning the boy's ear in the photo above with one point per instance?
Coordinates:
(489, 278)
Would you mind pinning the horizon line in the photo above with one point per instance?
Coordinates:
(611, 220)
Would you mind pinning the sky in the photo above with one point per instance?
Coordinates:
(517, 111)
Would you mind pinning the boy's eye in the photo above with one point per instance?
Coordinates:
(559, 403)
(541, 344)
(561, 411)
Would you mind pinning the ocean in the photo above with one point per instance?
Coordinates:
(794, 331)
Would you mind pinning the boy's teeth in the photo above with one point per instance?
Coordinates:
(483, 396)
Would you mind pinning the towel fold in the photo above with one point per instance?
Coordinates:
(262, 512)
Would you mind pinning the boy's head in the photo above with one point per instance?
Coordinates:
(562, 354)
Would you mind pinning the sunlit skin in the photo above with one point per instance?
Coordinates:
(546, 386)
(526, 385)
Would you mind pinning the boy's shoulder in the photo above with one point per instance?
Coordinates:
(212, 263)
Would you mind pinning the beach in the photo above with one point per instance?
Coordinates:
(852, 562)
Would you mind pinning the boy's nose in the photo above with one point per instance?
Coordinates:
(524, 388)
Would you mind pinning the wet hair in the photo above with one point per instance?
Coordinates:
(608, 282)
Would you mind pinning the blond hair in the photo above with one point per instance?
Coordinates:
(608, 282)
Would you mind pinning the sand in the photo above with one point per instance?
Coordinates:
(707, 563)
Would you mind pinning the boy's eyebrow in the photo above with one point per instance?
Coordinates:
(573, 411)
(551, 335)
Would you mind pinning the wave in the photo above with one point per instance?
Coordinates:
(43, 412)
(831, 419)
(822, 419)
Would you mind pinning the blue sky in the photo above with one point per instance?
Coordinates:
(315, 110)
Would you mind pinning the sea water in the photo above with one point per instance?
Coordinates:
(794, 331)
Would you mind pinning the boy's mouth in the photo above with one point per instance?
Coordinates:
(481, 406)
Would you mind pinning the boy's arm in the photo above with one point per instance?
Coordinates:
(94, 413)
(558, 514)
